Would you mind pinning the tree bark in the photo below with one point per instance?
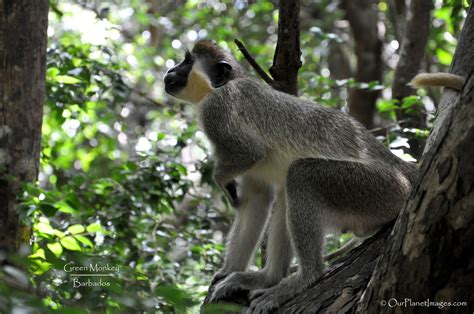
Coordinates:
(23, 40)
(433, 239)
(286, 61)
(411, 54)
(412, 47)
(363, 18)
(397, 15)
(431, 244)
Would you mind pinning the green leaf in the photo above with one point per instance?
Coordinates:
(386, 105)
(171, 294)
(44, 228)
(56, 248)
(70, 243)
(39, 253)
(409, 101)
(52, 72)
(58, 233)
(75, 229)
(84, 240)
(66, 79)
(64, 207)
(444, 57)
(182, 169)
(161, 136)
(39, 267)
(95, 227)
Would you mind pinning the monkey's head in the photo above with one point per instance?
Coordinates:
(204, 69)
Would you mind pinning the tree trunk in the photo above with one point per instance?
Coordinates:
(363, 18)
(411, 54)
(23, 39)
(397, 16)
(428, 255)
(433, 239)
(287, 62)
(413, 47)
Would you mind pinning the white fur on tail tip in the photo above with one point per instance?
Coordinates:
(437, 79)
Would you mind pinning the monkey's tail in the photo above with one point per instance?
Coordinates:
(438, 79)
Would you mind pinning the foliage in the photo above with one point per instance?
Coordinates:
(125, 179)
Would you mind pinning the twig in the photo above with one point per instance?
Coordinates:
(387, 127)
(155, 229)
(343, 249)
(254, 63)
(146, 97)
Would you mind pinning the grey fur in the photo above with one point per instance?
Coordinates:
(334, 172)
(327, 170)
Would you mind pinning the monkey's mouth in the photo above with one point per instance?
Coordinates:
(170, 88)
(173, 84)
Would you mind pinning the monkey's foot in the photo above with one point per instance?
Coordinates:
(218, 277)
(269, 300)
(238, 285)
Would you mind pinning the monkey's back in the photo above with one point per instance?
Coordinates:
(291, 127)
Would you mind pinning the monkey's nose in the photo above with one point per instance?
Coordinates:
(173, 83)
(169, 78)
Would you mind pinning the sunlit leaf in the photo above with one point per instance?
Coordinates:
(84, 240)
(64, 207)
(75, 229)
(52, 72)
(410, 101)
(94, 227)
(39, 253)
(56, 248)
(44, 228)
(70, 243)
(444, 57)
(66, 79)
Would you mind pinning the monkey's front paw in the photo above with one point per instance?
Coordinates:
(238, 286)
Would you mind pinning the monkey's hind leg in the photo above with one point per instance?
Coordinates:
(320, 192)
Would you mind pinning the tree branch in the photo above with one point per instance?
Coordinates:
(363, 18)
(413, 47)
(286, 61)
(254, 64)
(411, 54)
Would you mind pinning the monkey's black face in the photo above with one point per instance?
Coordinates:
(177, 77)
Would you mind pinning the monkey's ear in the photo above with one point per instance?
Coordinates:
(222, 71)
